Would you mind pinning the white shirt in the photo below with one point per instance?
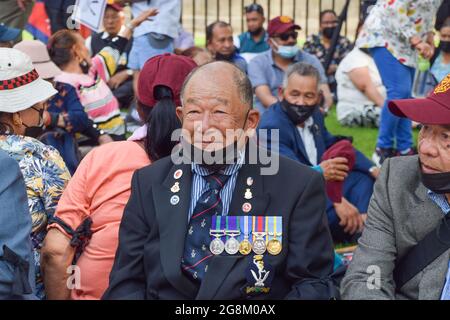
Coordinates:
(308, 140)
(350, 99)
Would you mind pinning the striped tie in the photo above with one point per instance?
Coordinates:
(196, 246)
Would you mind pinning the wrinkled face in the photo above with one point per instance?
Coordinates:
(434, 148)
(301, 90)
(329, 20)
(112, 21)
(222, 41)
(445, 34)
(255, 21)
(213, 114)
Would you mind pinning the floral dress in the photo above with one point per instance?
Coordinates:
(46, 176)
(391, 23)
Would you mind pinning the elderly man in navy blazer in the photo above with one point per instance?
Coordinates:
(16, 260)
(303, 137)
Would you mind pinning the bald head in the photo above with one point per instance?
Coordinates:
(220, 74)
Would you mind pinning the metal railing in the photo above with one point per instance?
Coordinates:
(197, 14)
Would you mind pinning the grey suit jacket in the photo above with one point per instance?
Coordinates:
(15, 228)
(400, 214)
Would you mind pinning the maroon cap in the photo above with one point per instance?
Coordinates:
(167, 70)
(342, 149)
(434, 109)
(280, 25)
(115, 6)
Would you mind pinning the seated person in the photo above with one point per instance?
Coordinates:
(441, 60)
(254, 41)
(360, 90)
(8, 36)
(15, 229)
(303, 137)
(266, 71)
(319, 44)
(219, 42)
(64, 115)
(121, 82)
(404, 250)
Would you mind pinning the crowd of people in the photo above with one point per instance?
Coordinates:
(120, 179)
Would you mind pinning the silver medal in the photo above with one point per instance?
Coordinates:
(232, 246)
(216, 246)
(259, 245)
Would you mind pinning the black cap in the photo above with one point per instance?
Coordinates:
(254, 7)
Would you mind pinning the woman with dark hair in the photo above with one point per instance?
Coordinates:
(89, 76)
(85, 228)
(23, 94)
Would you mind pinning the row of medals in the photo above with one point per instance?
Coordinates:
(232, 245)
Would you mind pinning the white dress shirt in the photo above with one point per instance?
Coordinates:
(308, 140)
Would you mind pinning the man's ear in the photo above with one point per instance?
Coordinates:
(253, 118)
(280, 93)
(179, 112)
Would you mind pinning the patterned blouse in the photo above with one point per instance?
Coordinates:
(46, 176)
(391, 23)
(314, 46)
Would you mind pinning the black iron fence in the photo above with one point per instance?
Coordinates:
(197, 14)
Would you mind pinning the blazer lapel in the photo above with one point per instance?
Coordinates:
(220, 266)
(301, 145)
(320, 145)
(173, 224)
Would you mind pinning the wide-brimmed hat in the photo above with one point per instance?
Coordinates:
(21, 87)
(434, 109)
(38, 53)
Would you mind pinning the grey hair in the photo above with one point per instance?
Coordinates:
(240, 79)
(301, 69)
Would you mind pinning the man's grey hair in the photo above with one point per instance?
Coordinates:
(301, 69)
(240, 79)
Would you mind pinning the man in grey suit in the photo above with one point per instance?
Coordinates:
(410, 202)
(16, 260)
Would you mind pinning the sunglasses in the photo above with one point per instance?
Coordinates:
(286, 36)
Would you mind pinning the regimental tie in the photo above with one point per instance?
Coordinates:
(195, 258)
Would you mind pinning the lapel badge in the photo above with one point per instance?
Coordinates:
(259, 275)
(174, 200)
(175, 188)
(248, 194)
(177, 175)
(249, 181)
(246, 207)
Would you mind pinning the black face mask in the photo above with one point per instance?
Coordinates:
(437, 182)
(297, 113)
(84, 67)
(257, 32)
(328, 32)
(213, 161)
(445, 46)
(222, 57)
(35, 131)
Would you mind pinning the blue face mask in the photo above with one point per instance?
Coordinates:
(287, 52)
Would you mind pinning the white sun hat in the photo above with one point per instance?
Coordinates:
(21, 87)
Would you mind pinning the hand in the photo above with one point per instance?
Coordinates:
(350, 217)
(332, 69)
(136, 22)
(375, 172)
(105, 138)
(335, 169)
(117, 79)
(425, 50)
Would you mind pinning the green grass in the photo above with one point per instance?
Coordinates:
(364, 139)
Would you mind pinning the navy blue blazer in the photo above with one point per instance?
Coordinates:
(291, 144)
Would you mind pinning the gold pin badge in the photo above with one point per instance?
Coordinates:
(248, 194)
(175, 188)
